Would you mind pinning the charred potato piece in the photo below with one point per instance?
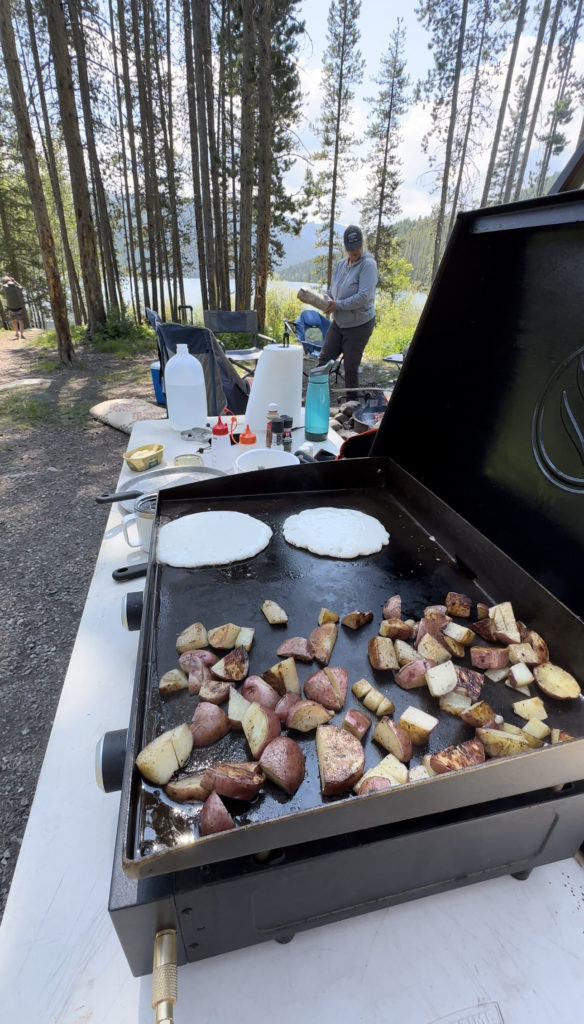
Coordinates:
(325, 615)
(215, 691)
(522, 654)
(192, 638)
(462, 756)
(233, 667)
(458, 604)
(405, 653)
(283, 677)
(418, 725)
(214, 816)
(489, 657)
(432, 649)
(395, 629)
(504, 623)
(209, 724)
(461, 634)
(341, 760)
(224, 638)
(284, 764)
(163, 756)
(500, 743)
(469, 682)
(375, 784)
(356, 619)
(479, 715)
(245, 637)
(275, 615)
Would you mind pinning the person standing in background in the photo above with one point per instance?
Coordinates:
(352, 307)
(14, 298)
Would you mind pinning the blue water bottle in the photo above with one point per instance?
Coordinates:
(318, 403)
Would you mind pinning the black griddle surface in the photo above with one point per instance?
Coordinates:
(412, 564)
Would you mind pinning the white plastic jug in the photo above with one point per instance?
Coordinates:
(184, 384)
(278, 378)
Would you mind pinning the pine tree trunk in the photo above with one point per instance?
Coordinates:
(78, 307)
(537, 104)
(70, 123)
(34, 183)
(142, 57)
(246, 164)
(265, 140)
(470, 112)
(335, 170)
(219, 240)
(194, 147)
(128, 100)
(520, 130)
(504, 100)
(449, 142)
(198, 9)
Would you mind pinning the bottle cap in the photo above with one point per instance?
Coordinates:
(272, 407)
(219, 428)
(286, 421)
(248, 436)
(277, 425)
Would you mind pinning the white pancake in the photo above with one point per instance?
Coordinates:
(336, 532)
(211, 538)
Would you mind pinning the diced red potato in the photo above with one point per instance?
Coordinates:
(405, 652)
(236, 780)
(285, 704)
(480, 715)
(214, 690)
(441, 679)
(341, 759)
(255, 689)
(356, 619)
(462, 634)
(458, 604)
(556, 682)
(532, 708)
(522, 653)
(431, 625)
(455, 703)
(328, 687)
(356, 723)
(388, 768)
(520, 674)
(296, 647)
(192, 787)
(418, 724)
(483, 628)
(456, 649)
(393, 738)
(306, 715)
(261, 726)
(433, 649)
(224, 637)
(489, 657)
(209, 724)
(283, 677)
(173, 681)
(191, 638)
(284, 764)
(435, 610)
(538, 646)
(164, 755)
(382, 653)
(482, 610)
(189, 658)
(214, 816)
(233, 667)
(504, 623)
(326, 615)
(392, 608)
(200, 673)
(395, 629)
(462, 756)
(469, 682)
(375, 784)
(323, 639)
(413, 675)
(236, 708)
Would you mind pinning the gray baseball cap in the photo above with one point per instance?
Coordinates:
(353, 238)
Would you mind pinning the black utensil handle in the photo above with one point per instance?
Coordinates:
(105, 499)
(130, 572)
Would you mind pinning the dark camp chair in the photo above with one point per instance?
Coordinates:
(225, 388)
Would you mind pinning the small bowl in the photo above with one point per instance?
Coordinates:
(147, 456)
(264, 458)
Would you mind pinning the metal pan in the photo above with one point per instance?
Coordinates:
(154, 481)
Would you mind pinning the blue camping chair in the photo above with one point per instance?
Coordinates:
(225, 388)
(313, 321)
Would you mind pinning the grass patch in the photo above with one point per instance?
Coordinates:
(395, 326)
(122, 337)
(26, 408)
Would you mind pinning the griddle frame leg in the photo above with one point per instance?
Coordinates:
(521, 876)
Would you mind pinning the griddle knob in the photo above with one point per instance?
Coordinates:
(132, 605)
(110, 755)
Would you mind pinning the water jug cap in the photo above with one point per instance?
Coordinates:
(272, 407)
(220, 428)
(181, 350)
(248, 436)
(320, 371)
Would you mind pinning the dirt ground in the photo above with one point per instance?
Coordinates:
(54, 459)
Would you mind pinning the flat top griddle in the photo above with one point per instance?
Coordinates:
(162, 835)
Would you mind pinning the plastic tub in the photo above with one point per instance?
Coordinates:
(264, 458)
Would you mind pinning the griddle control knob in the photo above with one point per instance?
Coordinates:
(110, 755)
(132, 605)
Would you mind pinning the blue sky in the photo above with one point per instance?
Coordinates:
(377, 21)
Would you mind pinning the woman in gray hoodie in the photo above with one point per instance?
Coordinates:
(352, 308)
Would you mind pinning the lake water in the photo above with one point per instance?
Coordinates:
(192, 287)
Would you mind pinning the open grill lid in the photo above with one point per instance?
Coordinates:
(488, 411)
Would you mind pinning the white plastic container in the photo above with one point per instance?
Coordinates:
(186, 397)
(278, 379)
(264, 458)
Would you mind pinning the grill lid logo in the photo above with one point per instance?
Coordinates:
(558, 425)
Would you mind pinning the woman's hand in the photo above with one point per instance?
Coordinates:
(330, 308)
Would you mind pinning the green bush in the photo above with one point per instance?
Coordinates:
(122, 336)
(395, 325)
(281, 304)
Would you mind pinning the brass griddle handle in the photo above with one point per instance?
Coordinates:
(164, 976)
